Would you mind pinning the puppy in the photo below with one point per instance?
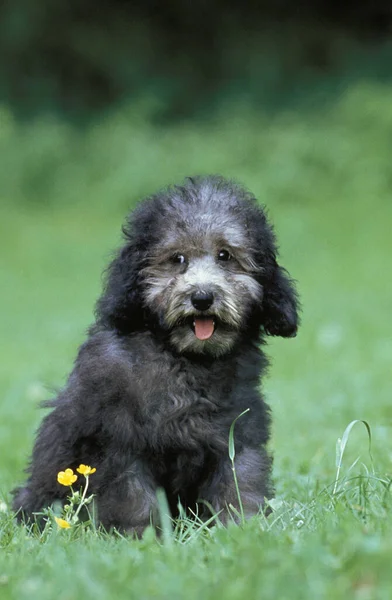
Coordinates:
(173, 358)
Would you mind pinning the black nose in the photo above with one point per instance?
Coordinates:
(202, 300)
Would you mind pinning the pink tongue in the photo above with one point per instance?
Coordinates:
(204, 328)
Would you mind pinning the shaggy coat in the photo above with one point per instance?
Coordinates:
(173, 358)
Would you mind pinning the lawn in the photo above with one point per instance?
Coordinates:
(326, 179)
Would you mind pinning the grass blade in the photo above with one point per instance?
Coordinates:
(341, 446)
(166, 524)
(232, 456)
(231, 435)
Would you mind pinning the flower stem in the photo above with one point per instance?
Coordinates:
(83, 498)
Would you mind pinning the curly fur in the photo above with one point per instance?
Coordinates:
(149, 403)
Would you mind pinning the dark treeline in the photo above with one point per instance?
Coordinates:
(85, 55)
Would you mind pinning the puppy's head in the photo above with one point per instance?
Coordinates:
(200, 264)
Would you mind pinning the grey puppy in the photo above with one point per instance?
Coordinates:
(173, 358)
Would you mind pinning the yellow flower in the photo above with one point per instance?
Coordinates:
(85, 470)
(66, 477)
(62, 523)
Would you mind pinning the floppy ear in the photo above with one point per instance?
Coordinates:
(280, 304)
(120, 305)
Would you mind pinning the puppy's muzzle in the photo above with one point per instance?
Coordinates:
(203, 326)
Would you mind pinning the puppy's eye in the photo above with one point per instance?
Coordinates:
(224, 255)
(178, 259)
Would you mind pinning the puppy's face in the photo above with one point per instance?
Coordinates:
(201, 259)
(200, 282)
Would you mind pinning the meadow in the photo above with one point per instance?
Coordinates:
(325, 175)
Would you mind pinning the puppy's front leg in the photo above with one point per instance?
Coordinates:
(252, 467)
(129, 502)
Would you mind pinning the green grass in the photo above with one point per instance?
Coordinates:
(325, 176)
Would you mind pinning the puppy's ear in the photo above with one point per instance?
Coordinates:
(120, 305)
(280, 303)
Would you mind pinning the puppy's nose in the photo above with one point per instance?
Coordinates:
(202, 300)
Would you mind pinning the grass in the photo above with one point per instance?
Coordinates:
(325, 176)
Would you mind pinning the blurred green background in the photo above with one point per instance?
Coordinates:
(101, 104)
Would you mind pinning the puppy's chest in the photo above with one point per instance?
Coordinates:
(185, 412)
